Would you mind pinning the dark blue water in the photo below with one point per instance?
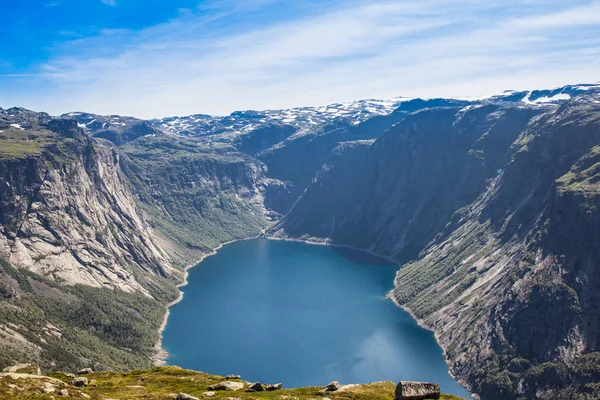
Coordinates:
(300, 314)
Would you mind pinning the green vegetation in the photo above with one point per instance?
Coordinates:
(69, 327)
(584, 176)
(167, 382)
(16, 143)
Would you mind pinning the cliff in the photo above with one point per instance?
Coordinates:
(493, 210)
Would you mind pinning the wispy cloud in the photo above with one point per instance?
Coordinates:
(216, 61)
(109, 2)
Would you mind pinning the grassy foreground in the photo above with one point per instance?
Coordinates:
(164, 383)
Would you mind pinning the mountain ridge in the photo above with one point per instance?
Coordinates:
(401, 183)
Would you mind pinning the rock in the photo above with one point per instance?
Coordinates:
(227, 386)
(85, 371)
(79, 382)
(48, 388)
(276, 386)
(256, 387)
(63, 392)
(333, 386)
(185, 396)
(230, 377)
(209, 394)
(417, 391)
(31, 369)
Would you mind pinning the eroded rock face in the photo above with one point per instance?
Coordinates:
(417, 391)
(494, 211)
(69, 214)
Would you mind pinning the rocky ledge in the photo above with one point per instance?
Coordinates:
(162, 383)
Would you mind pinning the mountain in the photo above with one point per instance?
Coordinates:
(492, 209)
(489, 204)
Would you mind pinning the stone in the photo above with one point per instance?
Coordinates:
(63, 392)
(209, 394)
(227, 386)
(417, 391)
(256, 387)
(48, 388)
(276, 386)
(333, 386)
(230, 377)
(85, 371)
(185, 396)
(79, 382)
(31, 369)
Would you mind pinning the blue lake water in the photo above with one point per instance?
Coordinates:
(300, 314)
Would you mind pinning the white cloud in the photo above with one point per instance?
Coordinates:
(375, 49)
(109, 2)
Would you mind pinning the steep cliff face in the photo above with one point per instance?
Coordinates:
(498, 209)
(197, 197)
(395, 196)
(68, 214)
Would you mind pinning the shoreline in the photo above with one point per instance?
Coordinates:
(160, 356)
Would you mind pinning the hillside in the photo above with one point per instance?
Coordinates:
(489, 204)
(171, 382)
(493, 210)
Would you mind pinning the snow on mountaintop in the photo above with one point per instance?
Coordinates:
(302, 118)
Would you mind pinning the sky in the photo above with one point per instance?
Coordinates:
(156, 58)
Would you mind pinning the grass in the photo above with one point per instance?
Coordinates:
(164, 382)
(16, 143)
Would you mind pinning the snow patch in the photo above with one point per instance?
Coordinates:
(17, 126)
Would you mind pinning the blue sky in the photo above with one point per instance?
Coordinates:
(152, 58)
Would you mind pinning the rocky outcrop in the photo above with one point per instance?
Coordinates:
(417, 391)
(69, 214)
(31, 369)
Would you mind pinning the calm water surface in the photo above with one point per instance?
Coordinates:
(300, 314)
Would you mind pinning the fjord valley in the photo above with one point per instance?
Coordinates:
(486, 208)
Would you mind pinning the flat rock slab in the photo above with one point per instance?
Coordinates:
(227, 386)
(417, 391)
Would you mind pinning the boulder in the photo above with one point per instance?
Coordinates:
(230, 377)
(209, 394)
(185, 396)
(63, 392)
(85, 371)
(79, 382)
(31, 369)
(417, 391)
(256, 387)
(276, 386)
(227, 386)
(333, 386)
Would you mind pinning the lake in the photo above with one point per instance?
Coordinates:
(300, 314)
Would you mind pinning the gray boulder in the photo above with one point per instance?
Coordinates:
(185, 396)
(333, 386)
(276, 386)
(227, 386)
(79, 382)
(256, 387)
(85, 371)
(31, 369)
(417, 391)
(230, 377)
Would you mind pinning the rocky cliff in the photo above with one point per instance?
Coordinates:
(490, 205)
(493, 210)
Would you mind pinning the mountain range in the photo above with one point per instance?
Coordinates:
(490, 205)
